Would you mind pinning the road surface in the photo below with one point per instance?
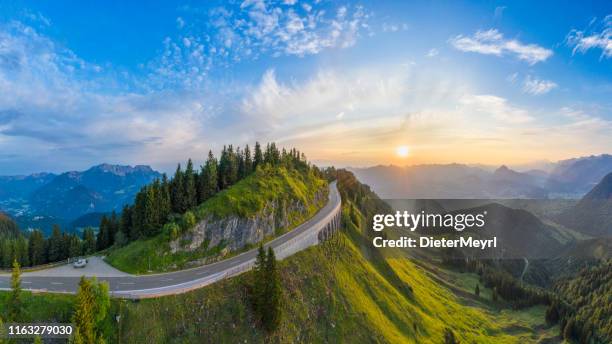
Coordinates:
(136, 287)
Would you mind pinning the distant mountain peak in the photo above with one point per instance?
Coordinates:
(601, 191)
(503, 169)
(121, 170)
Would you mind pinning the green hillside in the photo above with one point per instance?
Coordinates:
(247, 198)
(339, 291)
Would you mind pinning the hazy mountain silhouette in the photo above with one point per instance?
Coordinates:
(450, 181)
(67, 196)
(593, 214)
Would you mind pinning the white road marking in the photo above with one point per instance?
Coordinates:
(57, 283)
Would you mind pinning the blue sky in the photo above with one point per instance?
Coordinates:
(347, 82)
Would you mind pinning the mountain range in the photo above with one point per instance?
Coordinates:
(570, 178)
(46, 198)
(593, 214)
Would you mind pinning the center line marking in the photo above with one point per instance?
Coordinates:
(57, 283)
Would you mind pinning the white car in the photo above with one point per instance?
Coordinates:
(80, 263)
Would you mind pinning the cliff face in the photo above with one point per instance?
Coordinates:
(277, 217)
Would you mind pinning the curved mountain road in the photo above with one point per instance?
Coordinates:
(310, 233)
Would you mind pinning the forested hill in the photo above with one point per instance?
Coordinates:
(231, 204)
(7, 226)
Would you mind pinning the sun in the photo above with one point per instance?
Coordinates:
(402, 151)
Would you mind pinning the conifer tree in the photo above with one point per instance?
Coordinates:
(125, 223)
(83, 317)
(259, 285)
(36, 245)
(258, 157)
(209, 178)
(477, 290)
(165, 206)
(177, 192)
(273, 293)
(190, 187)
(21, 251)
(15, 311)
(89, 241)
(150, 223)
(55, 244)
(102, 240)
(113, 228)
(248, 161)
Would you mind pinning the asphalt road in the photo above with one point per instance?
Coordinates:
(181, 281)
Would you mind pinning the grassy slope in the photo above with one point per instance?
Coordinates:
(332, 294)
(244, 199)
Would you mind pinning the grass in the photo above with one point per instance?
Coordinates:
(334, 292)
(246, 199)
(42, 307)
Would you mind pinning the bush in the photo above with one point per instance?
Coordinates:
(188, 221)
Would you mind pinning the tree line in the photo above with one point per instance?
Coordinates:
(582, 306)
(164, 200)
(155, 205)
(35, 249)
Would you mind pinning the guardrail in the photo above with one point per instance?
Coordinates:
(300, 242)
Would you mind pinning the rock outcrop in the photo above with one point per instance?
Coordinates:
(236, 232)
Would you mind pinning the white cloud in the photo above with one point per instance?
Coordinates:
(582, 41)
(492, 42)
(180, 22)
(537, 87)
(432, 52)
(254, 29)
(497, 107)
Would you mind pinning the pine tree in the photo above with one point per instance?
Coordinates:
(14, 302)
(259, 285)
(83, 317)
(102, 240)
(190, 187)
(55, 245)
(177, 191)
(477, 290)
(258, 158)
(89, 241)
(113, 228)
(125, 224)
(241, 165)
(248, 161)
(151, 220)
(91, 308)
(36, 244)
(273, 293)
(165, 203)
(209, 178)
(74, 246)
(22, 252)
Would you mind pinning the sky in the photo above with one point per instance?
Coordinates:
(348, 83)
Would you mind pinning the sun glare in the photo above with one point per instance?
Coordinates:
(402, 151)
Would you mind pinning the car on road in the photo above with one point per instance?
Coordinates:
(79, 263)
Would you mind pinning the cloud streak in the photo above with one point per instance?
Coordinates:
(492, 42)
(537, 87)
(583, 41)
